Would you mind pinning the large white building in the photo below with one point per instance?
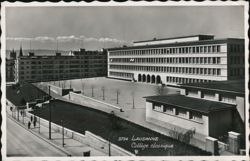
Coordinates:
(199, 58)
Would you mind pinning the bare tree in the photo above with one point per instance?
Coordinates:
(117, 96)
(161, 90)
(92, 90)
(103, 93)
(133, 99)
(83, 85)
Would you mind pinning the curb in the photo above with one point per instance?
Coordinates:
(37, 135)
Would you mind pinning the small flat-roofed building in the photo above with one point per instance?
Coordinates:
(212, 109)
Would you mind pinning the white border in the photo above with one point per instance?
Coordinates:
(157, 3)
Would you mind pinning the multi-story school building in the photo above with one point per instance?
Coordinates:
(199, 58)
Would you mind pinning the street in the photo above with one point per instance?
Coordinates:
(21, 142)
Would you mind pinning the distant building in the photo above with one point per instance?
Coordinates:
(78, 64)
(190, 59)
(10, 70)
(212, 109)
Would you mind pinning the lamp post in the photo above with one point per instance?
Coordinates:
(39, 128)
(117, 96)
(23, 116)
(109, 148)
(49, 116)
(62, 133)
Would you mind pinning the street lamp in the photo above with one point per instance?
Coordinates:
(49, 116)
(62, 133)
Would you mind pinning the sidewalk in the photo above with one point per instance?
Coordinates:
(71, 146)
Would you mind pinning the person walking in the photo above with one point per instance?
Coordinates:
(29, 125)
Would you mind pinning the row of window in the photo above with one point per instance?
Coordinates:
(184, 70)
(186, 60)
(170, 50)
(180, 80)
(197, 116)
(119, 74)
(211, 96)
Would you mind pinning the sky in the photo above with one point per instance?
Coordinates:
(93, 28)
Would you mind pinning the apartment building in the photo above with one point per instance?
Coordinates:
(78, 64)
(189, 59)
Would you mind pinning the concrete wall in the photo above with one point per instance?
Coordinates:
(176, 122)
(240, 102)
(60, 91)
(219, 123)
(81, 99)
(89, 139)
(103, 145)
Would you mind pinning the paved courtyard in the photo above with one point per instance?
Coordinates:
(105, 89)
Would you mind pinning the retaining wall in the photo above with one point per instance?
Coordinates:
(60, 91)
(81, 99)
(89, 138)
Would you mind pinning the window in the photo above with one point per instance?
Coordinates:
(168, 109)
(158, 107)
(218, 48)
(210, 96)
(181, 112)
(195, 116)
(228, 99)
(192, 93)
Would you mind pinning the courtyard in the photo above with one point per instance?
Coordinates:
(124, 94)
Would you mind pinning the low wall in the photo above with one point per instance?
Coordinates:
(60, 91)
(80, 99)
(89, 138)
(223, 146)
(103, 145)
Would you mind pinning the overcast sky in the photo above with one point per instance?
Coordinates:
(98, 27)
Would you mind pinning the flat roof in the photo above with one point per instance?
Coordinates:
(231, 86)
(179, 37)
(190, 103)
(201, 42)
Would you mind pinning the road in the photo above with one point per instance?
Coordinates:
(21, 142)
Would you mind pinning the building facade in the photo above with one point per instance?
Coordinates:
(10, 70)
(199, 58)
(78, 64)
(212, 109)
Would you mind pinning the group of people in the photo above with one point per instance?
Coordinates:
(32, 120)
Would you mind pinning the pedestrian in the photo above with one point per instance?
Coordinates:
(29, 125)
(35, 119)
(31, 118)
(34, 123)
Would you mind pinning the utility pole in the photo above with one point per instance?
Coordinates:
(23, 116)
(49, 115)
(103, 93)
(109, 148)
(117, 96)
(62, 133)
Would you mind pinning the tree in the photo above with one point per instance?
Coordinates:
(117, 96)
(92, 90)
(103, 93)
(133, 99)
(114, 120)
(161, 90)
(23, 101)
(83, 85)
